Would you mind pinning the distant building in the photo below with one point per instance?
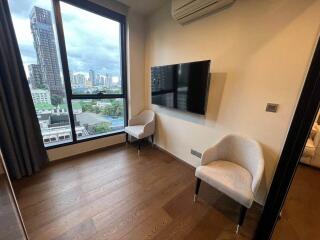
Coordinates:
(88, 83)
(92, 77)
(97, 80)
(108, 81)
(35, 76)
(45, 46)
(71, 76)
(56, 128)
(103, 80)
(102, 104)
(79, 80)
(40, 96)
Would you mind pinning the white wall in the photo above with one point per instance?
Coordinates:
(135, 70)
(260, 52)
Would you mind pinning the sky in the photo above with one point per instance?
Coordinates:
(92, 41)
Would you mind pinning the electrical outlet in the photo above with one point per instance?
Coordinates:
(196, 153)
(272, 107)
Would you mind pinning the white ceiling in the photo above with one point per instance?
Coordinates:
(144, 7)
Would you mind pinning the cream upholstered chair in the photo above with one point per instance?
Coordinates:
(141, 126)
(234, 166)
(311, 152)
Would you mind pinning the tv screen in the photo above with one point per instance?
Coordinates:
(181, 86)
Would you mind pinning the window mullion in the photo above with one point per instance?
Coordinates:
(65, 67)
(124, 69)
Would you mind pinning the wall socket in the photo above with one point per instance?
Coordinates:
(196, 153)
(272, 107)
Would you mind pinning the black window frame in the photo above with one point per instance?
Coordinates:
(104, 12)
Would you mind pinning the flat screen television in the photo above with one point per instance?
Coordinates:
(181, 86)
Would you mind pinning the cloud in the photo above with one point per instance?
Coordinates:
(92, 41)
(25, 40)
(23, 7)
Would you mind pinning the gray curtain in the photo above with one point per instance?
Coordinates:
(20, 135)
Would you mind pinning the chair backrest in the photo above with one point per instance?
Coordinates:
(146, 116)
(246, 152)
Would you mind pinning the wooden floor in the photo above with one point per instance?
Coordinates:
(300, 216)
(10, 227)
(115, 194)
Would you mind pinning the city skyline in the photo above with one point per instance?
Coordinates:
(104, 31)
(46, 74)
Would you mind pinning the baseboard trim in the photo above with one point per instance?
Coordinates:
(60, 160)
(174, 156)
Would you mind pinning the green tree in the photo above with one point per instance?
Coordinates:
(56, 100)
(105, 111)
(97, 110)
(101, 127)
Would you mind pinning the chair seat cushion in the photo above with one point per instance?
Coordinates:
(136, 131)
(309, 149)
(230, 179)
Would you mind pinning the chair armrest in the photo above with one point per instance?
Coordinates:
(257, 178)
(134, 121)
(209, 155)
(258, 170)
(149, 128)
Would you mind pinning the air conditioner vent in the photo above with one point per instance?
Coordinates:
(187, 10)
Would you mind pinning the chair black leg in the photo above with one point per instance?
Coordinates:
(139, 145)
(197, 190)
(243, 211)
(152, 139)
(127, 138)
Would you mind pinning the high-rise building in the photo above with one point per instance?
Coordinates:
(79, 79)
(108, 81)
(97, 80)
(35, 76)
(92, 77)
(88, 83)
(45, 46)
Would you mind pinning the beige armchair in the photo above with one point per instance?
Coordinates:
(234, 166)
(311, 152)
(141, 126)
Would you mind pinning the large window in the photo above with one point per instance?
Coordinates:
(75, 67)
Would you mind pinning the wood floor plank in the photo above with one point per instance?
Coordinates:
(132, 190)
(150, 227)
(40, 182)
(70, 200)
(83, 230)
(86, 184)
(117, 194)
(121, 220)
(185, 215)
(102, 174)
(300, 213)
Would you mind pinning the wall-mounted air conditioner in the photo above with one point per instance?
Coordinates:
(187, 10)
